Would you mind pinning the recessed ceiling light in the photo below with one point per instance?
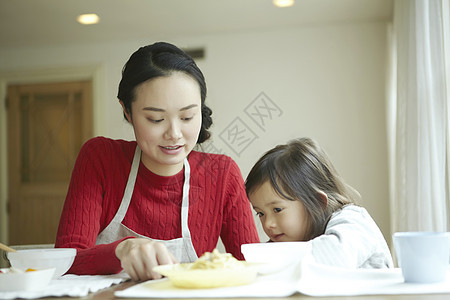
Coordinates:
(283, 3)
(88, 19)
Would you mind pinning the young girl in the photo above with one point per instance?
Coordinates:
(299, 196)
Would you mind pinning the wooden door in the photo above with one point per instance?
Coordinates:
(47, 125)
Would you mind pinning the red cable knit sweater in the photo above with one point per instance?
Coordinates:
(218, 204)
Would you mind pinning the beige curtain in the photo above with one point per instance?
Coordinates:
(418, 116)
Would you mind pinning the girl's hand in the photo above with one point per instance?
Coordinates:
(138, 257)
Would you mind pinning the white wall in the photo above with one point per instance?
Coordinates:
(328, 81)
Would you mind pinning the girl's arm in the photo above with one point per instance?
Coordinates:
(353, 240)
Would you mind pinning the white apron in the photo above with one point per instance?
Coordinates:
(181, 248)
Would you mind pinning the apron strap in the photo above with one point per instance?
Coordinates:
(121, 212)
(188, 248)
(185, 202)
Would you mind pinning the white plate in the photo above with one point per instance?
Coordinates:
(181, 276)
(27, 281)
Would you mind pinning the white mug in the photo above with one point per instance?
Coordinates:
(422, 256)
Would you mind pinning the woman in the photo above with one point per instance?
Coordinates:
(133, 205)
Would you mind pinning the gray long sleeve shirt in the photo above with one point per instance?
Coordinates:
(352, 239)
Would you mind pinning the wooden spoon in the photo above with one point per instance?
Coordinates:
(6, 248)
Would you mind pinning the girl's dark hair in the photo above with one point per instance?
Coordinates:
(299, 170)
(157, 60)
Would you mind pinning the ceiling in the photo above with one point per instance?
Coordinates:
(34, 23)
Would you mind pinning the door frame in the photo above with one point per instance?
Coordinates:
(94, 73)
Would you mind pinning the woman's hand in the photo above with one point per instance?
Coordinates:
(138, 257)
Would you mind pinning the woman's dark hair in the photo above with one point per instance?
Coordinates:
(299, 171)
(157, 60)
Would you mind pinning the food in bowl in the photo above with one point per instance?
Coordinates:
(61, 259)
(211, 270)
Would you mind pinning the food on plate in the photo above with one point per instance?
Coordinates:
(211, 270)
(216, 260)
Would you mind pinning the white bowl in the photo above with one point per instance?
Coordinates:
(27, 281)
(276, 256)
(59, 258)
